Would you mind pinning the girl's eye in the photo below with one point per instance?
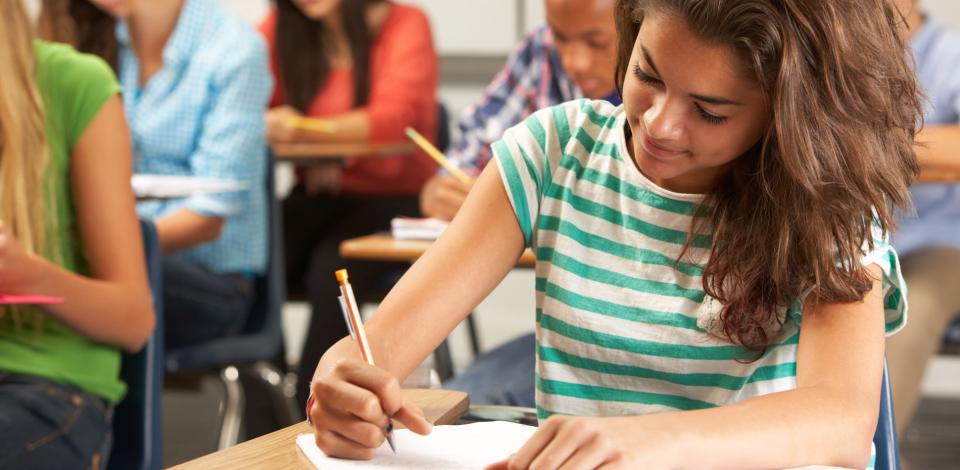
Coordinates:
(650, 80)
(643, 77)
(710, 118)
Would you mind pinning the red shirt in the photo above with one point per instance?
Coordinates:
(403, 86)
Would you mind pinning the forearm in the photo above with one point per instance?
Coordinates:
(112, 312)
(806, 426)
(939, 147)
(185, 229)
(476, 251)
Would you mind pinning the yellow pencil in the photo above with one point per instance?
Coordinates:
(313, 124)
(438, 156)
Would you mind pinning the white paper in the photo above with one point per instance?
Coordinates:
(170, 186)
(407, 228)
(467, 446)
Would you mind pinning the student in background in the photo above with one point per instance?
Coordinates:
(712, 268)
(929, 240)
(67, 229)
(194, 90)
(368, 68)
(572, 56)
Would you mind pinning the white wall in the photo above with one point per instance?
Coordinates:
(946, 12)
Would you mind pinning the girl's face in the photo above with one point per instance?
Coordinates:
(317, 9)
(119, 9)
(690, 105)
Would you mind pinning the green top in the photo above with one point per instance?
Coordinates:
(74, 87)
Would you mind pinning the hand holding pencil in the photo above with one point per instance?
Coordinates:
(352, 401)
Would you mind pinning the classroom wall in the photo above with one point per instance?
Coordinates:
(474, 37)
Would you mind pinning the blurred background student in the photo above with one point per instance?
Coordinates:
(572, 56)
(67, 229)
(928, 242)
(194, 89)
(369, 68)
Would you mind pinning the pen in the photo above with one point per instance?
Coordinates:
(355, 324)
(437, 155)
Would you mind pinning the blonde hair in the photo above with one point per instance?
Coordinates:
(24, 155)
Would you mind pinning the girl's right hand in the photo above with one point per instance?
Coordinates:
(353, 404)
(278, 124)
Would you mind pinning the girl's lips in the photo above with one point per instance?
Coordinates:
(658, 151)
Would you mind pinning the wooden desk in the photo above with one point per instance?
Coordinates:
(383, 247)
(320, 152)
(279, 449)
(930, 175)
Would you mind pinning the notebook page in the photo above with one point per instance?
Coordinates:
(468, 446)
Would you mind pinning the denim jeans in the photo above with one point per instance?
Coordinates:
(200, 305)
(502, 376)
(44, 424)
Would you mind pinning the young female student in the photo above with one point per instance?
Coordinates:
(369, 68)
(713, 277)
(194, 90)
(67, 229)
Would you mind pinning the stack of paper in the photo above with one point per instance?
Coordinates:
(407, 228)
(468, 446)
(169, 186)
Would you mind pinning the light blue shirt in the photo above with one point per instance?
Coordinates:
(202, 115)
(937, 219)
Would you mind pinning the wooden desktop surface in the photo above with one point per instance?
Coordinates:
(313, 152)
(931, 175)
(383, 247)
(279, 449)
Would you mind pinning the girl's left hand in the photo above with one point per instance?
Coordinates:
(566, 442)
(19, 270)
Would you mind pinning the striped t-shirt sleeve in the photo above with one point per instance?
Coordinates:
(894, 288)
(522, 161)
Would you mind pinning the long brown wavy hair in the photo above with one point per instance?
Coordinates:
(302, 44)
(82, 25)
(794, 214)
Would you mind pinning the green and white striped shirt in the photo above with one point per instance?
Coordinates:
(621, 329)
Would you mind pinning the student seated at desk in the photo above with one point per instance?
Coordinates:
(194, 93)
(68, 229)
(714, 280)
(928, 240)
(370, 70)
(571, 57)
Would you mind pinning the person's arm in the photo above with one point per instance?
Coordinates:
(185, 229)
(939, 147)
(231, 146)
(113, 305)
(506, 101)
(829, 419)
(443, 286)
(399, 86)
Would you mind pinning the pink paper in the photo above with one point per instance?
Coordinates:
(13, 299)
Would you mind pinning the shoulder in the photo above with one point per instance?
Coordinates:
(60, 68)
(228, 40)
(591, 116)
(404, 20)
(945, 51)
(268, 26)
(536, 45)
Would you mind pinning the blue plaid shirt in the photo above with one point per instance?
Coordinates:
(202, 115)
(533, 78)
(936, 221)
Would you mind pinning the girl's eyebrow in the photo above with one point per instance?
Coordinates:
(714, 100)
